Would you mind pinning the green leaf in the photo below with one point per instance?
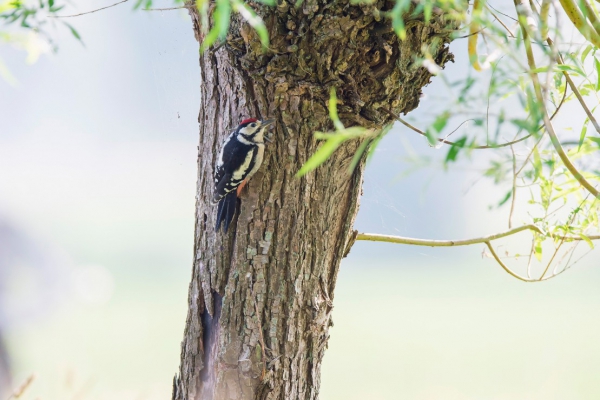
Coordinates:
(74, 32)
(346, 133)
(438, 125)
(357, 156)
(586, 52)
(254, 20)
(539, 70)
(505, 198)
(522, 123)
(453, 150)
(597, 65)
(370, 145)
(397, 16)
(378, 138)
(440, 122)
(220, 27)
(537, 248)
(146, 3)
(428, 11)
(202, 6)
(595, 140)
(583, 133)
(432, 137)
(537, 163)
(587, 240)
(570, 68)
(333, 114)
(321, 155)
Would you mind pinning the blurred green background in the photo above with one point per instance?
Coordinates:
(97, 190)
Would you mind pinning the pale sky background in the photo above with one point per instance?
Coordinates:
(98, 173)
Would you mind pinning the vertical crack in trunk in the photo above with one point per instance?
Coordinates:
(272, 284)
(210, 340)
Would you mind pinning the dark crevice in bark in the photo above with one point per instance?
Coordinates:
(210, 339)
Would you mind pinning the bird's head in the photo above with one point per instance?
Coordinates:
(253, 130)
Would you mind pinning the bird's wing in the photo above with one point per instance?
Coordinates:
(231, 169)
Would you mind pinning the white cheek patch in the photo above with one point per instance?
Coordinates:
(244, 140)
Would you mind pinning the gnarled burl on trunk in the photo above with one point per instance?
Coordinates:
(261, 297)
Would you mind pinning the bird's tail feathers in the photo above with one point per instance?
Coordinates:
(226, 210)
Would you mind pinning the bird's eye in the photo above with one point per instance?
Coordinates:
(253, 125)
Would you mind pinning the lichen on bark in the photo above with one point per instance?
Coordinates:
(261, 297)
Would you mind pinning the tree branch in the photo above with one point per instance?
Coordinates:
(87, 12)
(487, 240)
(375, 237)
(504, 267)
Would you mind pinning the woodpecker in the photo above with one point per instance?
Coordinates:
(240, 157)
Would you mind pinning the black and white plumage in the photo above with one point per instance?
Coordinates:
(240, 157)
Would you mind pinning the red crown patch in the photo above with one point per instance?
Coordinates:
(247, 121)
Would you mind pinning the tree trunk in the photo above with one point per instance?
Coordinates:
(260, 298)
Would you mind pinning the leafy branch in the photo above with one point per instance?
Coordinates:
(487, 240)
(538, 92)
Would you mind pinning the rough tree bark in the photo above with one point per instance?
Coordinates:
(260, 298)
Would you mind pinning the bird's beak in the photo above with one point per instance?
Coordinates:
(267, 122)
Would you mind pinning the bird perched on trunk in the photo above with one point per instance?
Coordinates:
(241, 156)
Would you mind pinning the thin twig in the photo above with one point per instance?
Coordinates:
(514, 187)
(87, 12)
(575, 90)
(504, 267)
(18, 392)
(500, 21)
(552, 259)
(500, 12)
(470, 34)
(530, 257)
(169, 8)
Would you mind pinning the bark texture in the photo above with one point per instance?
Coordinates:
(260, 298)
